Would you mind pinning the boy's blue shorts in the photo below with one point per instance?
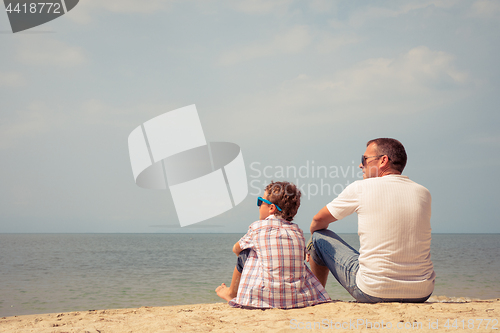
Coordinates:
(242, 257)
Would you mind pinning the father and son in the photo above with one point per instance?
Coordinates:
(393, 263)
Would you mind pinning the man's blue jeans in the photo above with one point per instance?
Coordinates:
(328, 249)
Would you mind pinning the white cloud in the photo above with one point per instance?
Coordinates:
(415, 81)
(252, 7)
(321, 6)
(130, 6)
(95, 112)
(291, 41)
(410, 82)
(44, 51)
(261, 6)
(86, 9)
(423, 66)
(11, 80)
(40, 119)
(330, 43)
(409, 6)
(35, 120)
(297, 39)
(486, 8)
(367, 14)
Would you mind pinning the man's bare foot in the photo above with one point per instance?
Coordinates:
(224, 292)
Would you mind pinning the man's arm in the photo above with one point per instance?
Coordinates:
(321, 220)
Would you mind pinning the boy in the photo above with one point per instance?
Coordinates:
(271, 258)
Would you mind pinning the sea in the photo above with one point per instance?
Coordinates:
(48, 273)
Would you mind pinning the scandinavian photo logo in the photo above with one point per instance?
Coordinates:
(205, 179)
(24, 15)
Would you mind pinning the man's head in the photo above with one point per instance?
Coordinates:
(285, 195)
(382, 157)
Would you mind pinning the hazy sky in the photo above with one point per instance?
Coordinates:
(298, 85)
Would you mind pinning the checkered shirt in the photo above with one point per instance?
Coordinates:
(275, 274)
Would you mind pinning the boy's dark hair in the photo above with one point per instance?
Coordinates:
(393, 149)
(287, 196)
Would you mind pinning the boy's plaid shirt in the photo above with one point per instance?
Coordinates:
(275, 274)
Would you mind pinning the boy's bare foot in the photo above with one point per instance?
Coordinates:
(224, 292)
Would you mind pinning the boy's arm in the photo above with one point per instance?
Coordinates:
(246, 240)
(237, 248)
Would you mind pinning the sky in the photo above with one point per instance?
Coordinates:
(300, 86)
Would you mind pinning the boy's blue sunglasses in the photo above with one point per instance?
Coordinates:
(261, 199)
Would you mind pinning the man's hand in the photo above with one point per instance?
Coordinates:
(322, 220)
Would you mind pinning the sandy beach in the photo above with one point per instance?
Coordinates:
(435, 315)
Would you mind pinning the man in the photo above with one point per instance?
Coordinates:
(393, 263)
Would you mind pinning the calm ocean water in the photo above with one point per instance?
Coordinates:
(44, 273)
